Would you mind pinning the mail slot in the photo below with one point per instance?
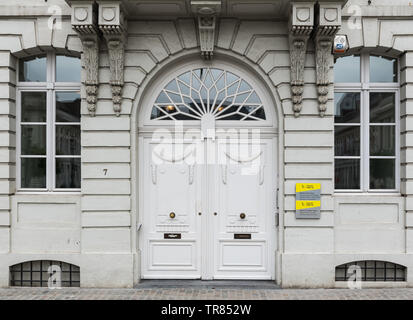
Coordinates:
(172, 236)
(242, 235)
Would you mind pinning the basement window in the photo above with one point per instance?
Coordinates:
(372, 270)
(37, 274)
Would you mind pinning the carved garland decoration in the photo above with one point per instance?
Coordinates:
(116, 41)
(90, 40)
(298, 46)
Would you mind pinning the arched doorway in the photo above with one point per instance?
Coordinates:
(207, 175)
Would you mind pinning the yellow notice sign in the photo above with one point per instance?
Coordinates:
(300, 187)
(307, 200)
(299, 205)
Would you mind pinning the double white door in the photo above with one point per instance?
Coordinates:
(207, 211)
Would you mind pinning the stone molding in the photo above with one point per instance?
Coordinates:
(84, 23)
(112, 24)
(327, 24)
(301, 26)
(206, 13)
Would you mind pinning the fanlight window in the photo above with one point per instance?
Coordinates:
(208, 91)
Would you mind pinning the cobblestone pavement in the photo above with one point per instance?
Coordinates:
(204, 293)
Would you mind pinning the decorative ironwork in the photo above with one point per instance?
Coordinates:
(372, 270)
(208, 91)
(35, 274)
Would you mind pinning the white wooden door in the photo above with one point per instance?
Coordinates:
(171, 191)
(243, 195)
(207, 201)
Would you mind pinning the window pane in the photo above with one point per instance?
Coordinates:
(33, 107)
(347, 173)
(347, 107)
(68, 140)
(382, 174)
(347, 69)
(382, 108)
(382, 141)
(33, 140)
(32, 69)
(67, 69)
(347, 140)
(68, 173)
(67, 107)
(383, 69)
(33, 172)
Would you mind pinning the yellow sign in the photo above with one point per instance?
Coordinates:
(300, 187)
(299, 205)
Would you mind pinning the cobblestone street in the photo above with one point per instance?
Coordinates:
(203, 293)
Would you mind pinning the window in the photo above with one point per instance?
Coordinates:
(37, 274)
(48, 116)
(371, 270)
(366, 118)
(206, 90)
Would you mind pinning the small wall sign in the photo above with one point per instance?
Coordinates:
(242, 236)
(307, 200)
(172, 236)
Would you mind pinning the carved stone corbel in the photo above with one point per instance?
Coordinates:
(113, 27)
(84, 23)
(301, 26)
(206, 12)
(328, 23)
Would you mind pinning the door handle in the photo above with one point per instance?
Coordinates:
(242, 215)
(172, 215)
(215, 214)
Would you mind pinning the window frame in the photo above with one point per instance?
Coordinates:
(50, 87)
(364, 87)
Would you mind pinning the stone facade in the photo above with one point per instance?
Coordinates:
(99, 232)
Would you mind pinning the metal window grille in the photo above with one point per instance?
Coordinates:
(373, 271)
(35, 274)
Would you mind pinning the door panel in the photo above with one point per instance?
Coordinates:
(244, 198)
(171, 187)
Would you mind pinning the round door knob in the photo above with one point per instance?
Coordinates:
(242, 215)
(172, 215)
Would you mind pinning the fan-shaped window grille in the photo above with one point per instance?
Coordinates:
(37, 273)
(372, 271)
(207, 90)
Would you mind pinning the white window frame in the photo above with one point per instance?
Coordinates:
(364, 87)
(50, 87)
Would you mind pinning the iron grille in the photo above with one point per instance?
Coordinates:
(372, 270)
(35, 274)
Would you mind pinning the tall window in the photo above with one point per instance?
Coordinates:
(48, 116)
(366, 123)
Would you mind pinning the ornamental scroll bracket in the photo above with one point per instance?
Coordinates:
(206, 13)
(328, 23)
(301, 25)
(84, 23)
(112, 24)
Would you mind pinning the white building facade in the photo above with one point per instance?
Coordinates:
(119, 121)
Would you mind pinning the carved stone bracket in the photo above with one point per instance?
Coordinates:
(328, 23)
(301, 26)
(84, 23)
(113, 27)
(206, 12)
